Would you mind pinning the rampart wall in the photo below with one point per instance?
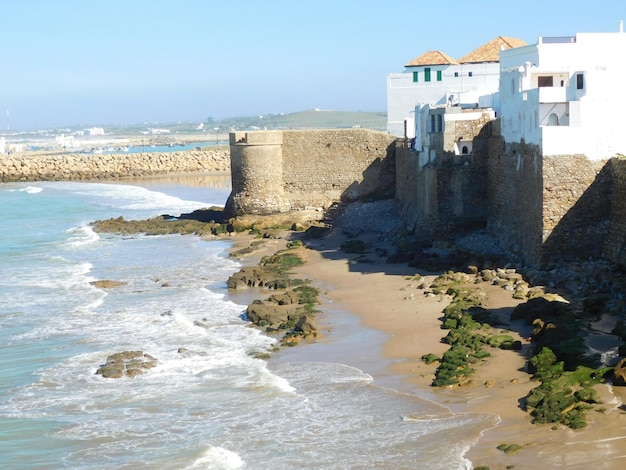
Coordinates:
(36, 167)
(515, 200)
(615, 239)
(446, 196)
(565, 207)
(279, 171)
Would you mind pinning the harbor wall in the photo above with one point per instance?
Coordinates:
(83, 166)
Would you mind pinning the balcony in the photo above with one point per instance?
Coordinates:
(552, 95)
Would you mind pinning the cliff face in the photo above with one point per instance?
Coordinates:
(280, 171)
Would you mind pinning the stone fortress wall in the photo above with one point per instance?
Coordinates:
(539, 208)
(566, 206)
(280, 171)
(57, 167)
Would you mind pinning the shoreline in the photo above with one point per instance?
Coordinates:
(376, 319)
(375, 303)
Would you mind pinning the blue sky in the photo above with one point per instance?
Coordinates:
(66, 62)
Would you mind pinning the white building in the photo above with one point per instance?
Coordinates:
(95, 131)
(67, 142)
(565, 94)
(438, 79)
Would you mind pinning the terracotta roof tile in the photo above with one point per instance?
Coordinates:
(432, 58)
(490, 52)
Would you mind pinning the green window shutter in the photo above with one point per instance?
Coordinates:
(415, 74)
(438, 75)
(427, 74)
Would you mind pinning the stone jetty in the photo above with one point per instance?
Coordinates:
(42, 167)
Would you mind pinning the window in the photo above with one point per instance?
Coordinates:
(415, 76)
(436, 123)
(580, 81)
(427, 74)
(470, 74)
(465, 150)
(544, 81)
(439, 74)
(456, 74)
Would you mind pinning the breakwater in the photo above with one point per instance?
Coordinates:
(42, 167)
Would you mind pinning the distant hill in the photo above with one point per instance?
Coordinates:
(310, 119)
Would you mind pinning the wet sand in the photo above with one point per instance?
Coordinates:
(379, 320)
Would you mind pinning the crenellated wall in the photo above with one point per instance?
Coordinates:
(279, 171)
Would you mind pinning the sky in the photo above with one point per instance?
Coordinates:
(88, 62)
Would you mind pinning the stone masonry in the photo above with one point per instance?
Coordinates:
(279, 171)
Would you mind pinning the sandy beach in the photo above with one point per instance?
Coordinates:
(377, 318)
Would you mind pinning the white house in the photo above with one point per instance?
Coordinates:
(436, 78)
(565, 94)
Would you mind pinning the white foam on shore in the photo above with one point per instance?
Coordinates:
(80, 236)
(217, 458)
(133, 198)
(31, 189)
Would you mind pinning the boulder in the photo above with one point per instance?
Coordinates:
(269, 314)
(253, 276)
(539, 307)
(107, 284)
(306, 325)
(619, 373)
(126, 363)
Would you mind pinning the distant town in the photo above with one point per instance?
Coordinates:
(134, 137)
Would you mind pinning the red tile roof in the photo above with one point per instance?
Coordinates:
(432, 58)
(490, 52)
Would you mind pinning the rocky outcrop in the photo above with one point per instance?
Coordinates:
(29, 167)
(271, 314)
(126, 363)
(253, 276)
(619, 373)
(107, 284)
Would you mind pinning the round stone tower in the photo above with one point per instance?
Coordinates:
(256, 160)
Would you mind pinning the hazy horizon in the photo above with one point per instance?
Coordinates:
(71, 62)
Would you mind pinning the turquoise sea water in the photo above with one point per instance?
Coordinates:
(212, 406)
(164, 148)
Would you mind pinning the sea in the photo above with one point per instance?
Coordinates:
(210, 403)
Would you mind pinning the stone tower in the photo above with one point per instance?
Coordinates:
(257, 174)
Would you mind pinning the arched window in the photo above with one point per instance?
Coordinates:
(553, 120)
(465, 150)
